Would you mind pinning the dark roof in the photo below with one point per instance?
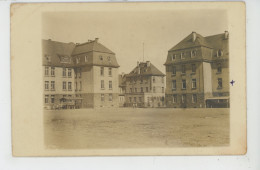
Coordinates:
(65, 54)
(91, 46)
(187, 42)
(146, 69)
(57, 53)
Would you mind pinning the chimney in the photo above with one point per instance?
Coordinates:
(148, 63)
(96, 39)
(226, 34)
(194, 35)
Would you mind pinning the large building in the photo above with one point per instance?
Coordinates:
(197, 72)
(144, 86)
(79, 75)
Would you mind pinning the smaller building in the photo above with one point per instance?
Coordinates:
(144, 86)
(122, 89)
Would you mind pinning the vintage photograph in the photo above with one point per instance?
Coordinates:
(136, 79)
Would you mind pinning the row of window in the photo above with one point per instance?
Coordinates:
(46, 98)
(50, 71)
(102, 71)
(86, 59)
(193, 84)
(184, 99)
(110, 85)
(148, 99)
(134, 80)
(193, 69)
(146, 89)
(110, 97)
(192, 54)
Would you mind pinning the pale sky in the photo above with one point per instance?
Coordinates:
(125, 32)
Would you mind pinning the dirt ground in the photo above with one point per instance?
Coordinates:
(135, 128)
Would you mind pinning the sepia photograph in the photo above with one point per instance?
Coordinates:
(136, 78)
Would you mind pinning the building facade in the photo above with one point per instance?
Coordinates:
(122, 89)
(145, 86)
(197, 72)
(79, 75)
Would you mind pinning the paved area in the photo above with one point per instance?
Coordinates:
(136, 128)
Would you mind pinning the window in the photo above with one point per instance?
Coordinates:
(102, 71)
(219, 53)
(64, 72)
(136, 90)
(153, 79)
(193, 68)
(46, 99)
(173, 84)
(183, 69)
(174, 99)
(140, 99)
(102, 97)
(64, 85)
(46, 71)
(102, 84)
(193, 84)
(69, 72)
(110, 97)
(131, 90)
(146, 89)
(183, 98)
(194, 98)
(219, 69)
(52, 98)
(173, 56)
(109, 58)
(130, 99)
(173, 70)
(110, 85)
(183, 84)
(101, 57)
(219, 83)
(52, 85)
(76, 86)
(162, 89)
(182, 55)
(77, 60)
(64, 96)
(162, 79)
(110, 71)
(154, 89)
(79, 72)
(135, 99)
(52, 71)
(141, 81)
(80, 86)
(76, 72)
(193, 53)
(86, 58)
(142, 90)
(46, 86)
(69, 86)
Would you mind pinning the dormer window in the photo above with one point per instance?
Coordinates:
(48, 58)
(101, 57)
(193, 53)
(219, 53)
(173, 56)
(86, 58)
(182, 55)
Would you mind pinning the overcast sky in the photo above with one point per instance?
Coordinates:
(125, 32)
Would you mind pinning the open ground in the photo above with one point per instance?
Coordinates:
(136, 128)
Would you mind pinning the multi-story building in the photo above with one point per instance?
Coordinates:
(84, 75)
(145, 86)
(197, 72)
(122, 89)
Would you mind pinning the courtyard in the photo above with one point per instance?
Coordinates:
(136, 128)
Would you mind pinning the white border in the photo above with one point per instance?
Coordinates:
(248, 161)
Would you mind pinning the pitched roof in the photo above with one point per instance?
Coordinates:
(57, 53)
(146, 69)
(91, 46)
(187, 42)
